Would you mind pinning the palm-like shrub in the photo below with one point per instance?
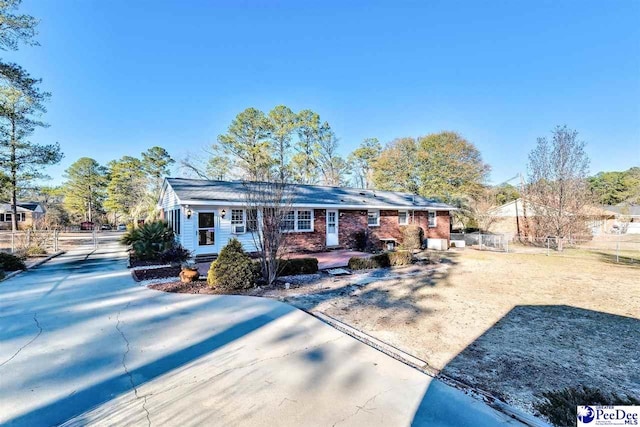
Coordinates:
(149, 240)
(233, 269)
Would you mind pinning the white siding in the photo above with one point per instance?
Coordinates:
(223, 233)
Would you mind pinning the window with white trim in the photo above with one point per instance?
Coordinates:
(252, 220)
(173, 219)
(431, 215)
(304, 221)
(403, 217)
(237, 221)
(288, 222)
(373, 218)
(297, 220)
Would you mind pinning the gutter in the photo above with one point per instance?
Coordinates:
(324, 206)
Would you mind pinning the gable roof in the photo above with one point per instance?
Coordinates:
(194, 191)
(21, 206)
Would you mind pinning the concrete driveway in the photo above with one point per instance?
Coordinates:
(81, 343)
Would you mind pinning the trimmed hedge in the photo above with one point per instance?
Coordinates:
(295, 266)
(233, 269)
(10, 262)
(383, 260)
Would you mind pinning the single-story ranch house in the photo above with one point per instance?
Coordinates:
(206, 214)
(29, 213)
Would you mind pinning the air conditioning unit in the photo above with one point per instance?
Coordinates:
(238, 229)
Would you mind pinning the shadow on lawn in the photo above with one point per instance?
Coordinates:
(535, 349)
(410, 286)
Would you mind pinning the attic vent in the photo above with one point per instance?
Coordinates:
(362, 194)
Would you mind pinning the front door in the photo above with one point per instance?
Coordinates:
(206, 233)
(332, 228)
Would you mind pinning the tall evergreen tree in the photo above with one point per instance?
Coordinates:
(247, 140)
(21, 105)
(84, 190)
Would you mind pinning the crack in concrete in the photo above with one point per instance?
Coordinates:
(126, 369)
(35, 319)
(362, 407)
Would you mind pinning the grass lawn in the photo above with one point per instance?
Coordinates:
(515, 325)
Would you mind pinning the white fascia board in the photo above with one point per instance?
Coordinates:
(321, 206)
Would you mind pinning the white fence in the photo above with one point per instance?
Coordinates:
(52, 240)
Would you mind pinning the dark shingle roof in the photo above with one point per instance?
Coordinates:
(235, 192)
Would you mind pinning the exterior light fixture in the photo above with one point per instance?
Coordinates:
(189, 212)
(223, 213)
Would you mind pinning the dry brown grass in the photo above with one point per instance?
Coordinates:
(514, 324)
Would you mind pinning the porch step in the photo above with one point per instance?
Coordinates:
(205, 257)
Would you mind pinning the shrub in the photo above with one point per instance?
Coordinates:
(362, 241)
(233, 269)
(149, 240)
(175, 255)
(559, 406)
(10, 262)
(413, 237)
(35, 250)
(383, 260)
(294, 266)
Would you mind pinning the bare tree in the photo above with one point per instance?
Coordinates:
(268, 208)
(482, 206)
(557, 186)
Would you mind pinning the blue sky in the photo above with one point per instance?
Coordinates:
(127, 75)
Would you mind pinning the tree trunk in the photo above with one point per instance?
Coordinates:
(14, 178)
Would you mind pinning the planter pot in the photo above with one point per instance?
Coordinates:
(188, 275)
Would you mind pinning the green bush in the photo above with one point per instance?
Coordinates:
(233, 269)
(383, 260)
(175, 255)
(149, 240)
(10, 262)
(559, 406)
(294, 266)
(413, 237)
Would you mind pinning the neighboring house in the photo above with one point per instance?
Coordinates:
(206, 214)
(627, 218)
(29, 215)
(517, 218)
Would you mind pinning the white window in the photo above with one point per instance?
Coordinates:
(173, 219)
(297, 220)
(403, 217)
(288, 221)
(7, 217)
(304, 221)
(252, 220)
(237, 221)
(432, 218)
(373, 218)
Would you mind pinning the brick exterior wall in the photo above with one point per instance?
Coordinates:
(313, 241)
(351, 221)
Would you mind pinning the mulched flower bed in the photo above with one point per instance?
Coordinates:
(141, 274)
(201, 287)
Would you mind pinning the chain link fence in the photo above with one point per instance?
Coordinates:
(609, 247)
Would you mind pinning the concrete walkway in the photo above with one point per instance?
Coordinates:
(81, 343)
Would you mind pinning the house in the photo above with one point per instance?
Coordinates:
(206, 214)
(29, 214)
(518, 218)
(627, 218)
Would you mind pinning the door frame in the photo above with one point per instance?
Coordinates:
(337, 233)
(207, 249)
